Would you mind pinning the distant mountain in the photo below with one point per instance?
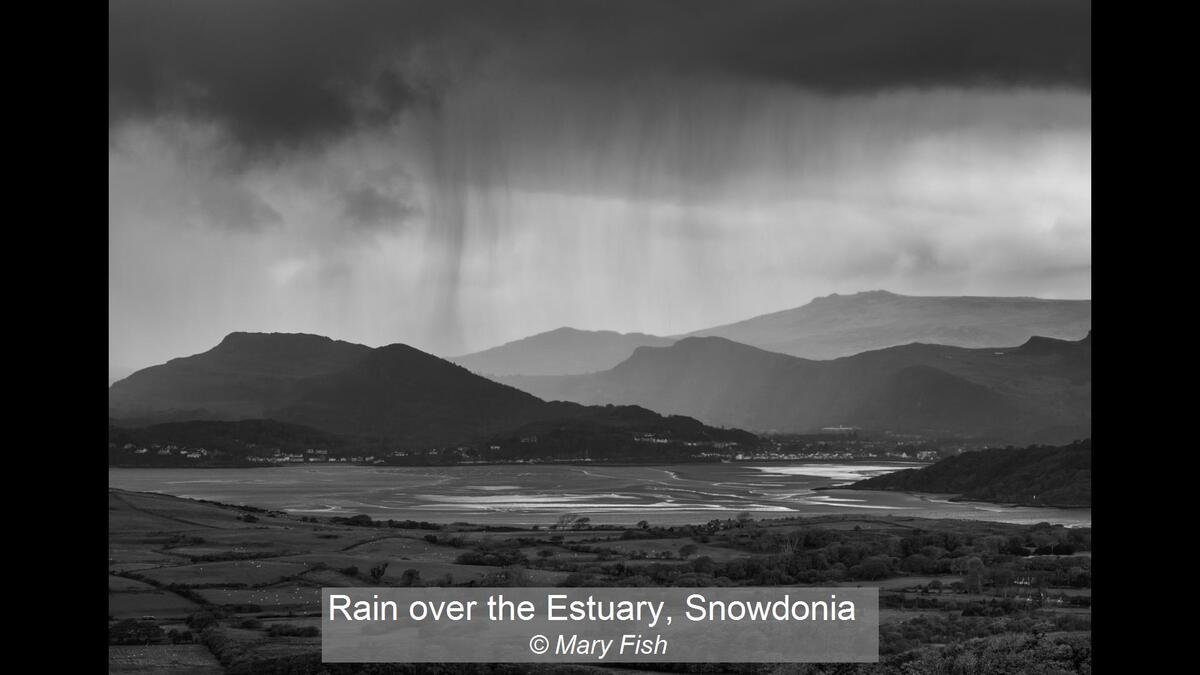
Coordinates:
(394, 392)
(564, 351)
(118, 372)
(826, 328)
(1038, 392)
(1034, 476)
(843, 325)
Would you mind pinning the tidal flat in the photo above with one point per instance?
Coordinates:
(530, 494)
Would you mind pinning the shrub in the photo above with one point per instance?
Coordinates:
(292, 630)
(134, 632)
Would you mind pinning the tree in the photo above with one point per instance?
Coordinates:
(918, 564)
(201, 620)
(1001, 576)
(643, 524)
(974, 576)
(410, 577)
(687, 550)
(789, 545)
(378, 571)
(870, 569)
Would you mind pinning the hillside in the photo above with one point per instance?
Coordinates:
(400, 392)
(843, 325)
(240, 378)
(1037, 392)
(1034, 476)
(234, 439)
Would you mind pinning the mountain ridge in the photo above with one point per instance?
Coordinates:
(1010, 393)
(394, 392)
(843, 325)
(826, 327)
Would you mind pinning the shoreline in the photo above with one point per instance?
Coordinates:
(533, 520)
(573, 462)
(956, 498)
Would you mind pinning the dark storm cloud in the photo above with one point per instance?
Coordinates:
(273, 72)
(280, 74)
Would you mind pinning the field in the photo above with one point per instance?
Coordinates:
(168, 659)
(197, 587)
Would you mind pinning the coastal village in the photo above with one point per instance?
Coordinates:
(770, 450)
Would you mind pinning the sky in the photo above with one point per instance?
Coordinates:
(457, 174)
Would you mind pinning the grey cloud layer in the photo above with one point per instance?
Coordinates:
(291, 73)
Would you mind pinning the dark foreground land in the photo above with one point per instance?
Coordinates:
(198, 587)
(1033, 476)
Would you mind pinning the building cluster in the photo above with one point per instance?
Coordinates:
(646, 437)
(834, 443)
(649, 438)
(167, 451)
(311, 455)
(850, 447)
